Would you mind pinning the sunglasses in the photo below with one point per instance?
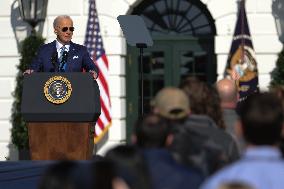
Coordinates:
(64, 29)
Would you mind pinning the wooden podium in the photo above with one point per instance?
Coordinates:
(60, 130)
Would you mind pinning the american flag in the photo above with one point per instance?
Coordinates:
(94, 44)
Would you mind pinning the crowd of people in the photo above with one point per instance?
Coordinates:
(196, 136)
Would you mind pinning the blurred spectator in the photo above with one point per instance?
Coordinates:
(216, 147)
(278, 90)
(61, 175)
(228, 92)
(129, 168)
(171, 103)
(204, 100)
(152, 134)
(103, 174)
(262, 167)
(97, 157)
(191, 146)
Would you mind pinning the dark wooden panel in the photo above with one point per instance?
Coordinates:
(60, 140)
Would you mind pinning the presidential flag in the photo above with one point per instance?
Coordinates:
(241, 63)
(94, 44)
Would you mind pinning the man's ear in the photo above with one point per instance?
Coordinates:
(238, 127)
(155, 110)
(133, 139)
(169, 140)
(238, 97)
(118, 183)
(55, 31)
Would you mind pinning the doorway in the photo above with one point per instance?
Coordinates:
(183, 32)
(166, 63)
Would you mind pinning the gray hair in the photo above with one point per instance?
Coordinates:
(55, 22)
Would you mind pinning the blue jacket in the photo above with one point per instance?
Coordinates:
(77, 60)
(167, 174)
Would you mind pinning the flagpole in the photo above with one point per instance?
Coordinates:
(242, 29)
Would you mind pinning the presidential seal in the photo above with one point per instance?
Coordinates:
(57, 89)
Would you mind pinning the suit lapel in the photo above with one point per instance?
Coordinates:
(71, 53)
(54, 56)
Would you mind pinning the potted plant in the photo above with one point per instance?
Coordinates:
(277, 75)
(20, 139)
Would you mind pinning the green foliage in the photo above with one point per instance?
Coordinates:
(29, 47)
(277, 75)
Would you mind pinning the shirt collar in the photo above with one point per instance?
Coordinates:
(263, 152)
(59, 45)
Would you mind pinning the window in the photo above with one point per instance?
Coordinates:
(176, 17)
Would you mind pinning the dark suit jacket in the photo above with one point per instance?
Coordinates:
(200, 142)
(77, 60)
(167, 174)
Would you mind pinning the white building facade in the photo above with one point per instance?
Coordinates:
(224, 13)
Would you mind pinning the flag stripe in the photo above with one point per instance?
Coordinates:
(103, 68)
(98, 138)
(103, 120)
(105, 110)
(100, 123)
(103, 95)
(105, 60)
(94, 44)
(104, 84)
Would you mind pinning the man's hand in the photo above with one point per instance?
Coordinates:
(28, 72)
(95, 75)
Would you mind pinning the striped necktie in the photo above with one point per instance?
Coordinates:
(61, 60)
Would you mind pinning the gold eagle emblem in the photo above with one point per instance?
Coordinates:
(57, 89)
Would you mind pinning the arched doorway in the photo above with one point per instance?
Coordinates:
(183, 32)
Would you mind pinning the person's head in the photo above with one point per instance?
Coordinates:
(204, 99)
(197, 93)
(59, 176)
(63, 28)
(261, 119)
(171, 103)
(278, 90)
(228, 92)
(103, 174)
(152, 131)
(129, 167)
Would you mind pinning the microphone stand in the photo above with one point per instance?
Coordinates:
(141, 46)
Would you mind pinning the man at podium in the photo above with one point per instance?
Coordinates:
(62, 55)
(60, 119)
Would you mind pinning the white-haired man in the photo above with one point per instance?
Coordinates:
(62, 55)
